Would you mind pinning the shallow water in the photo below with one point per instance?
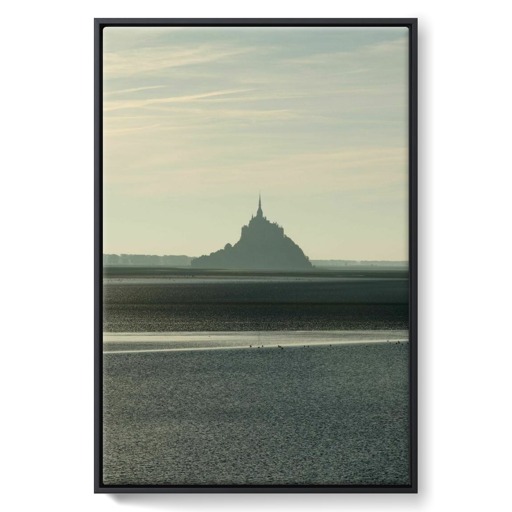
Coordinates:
(255, 305)
(258, 380)
(317, 415)
(159, 342)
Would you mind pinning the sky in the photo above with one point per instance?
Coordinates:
(197, 121)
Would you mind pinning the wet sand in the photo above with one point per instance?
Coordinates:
(309, 415)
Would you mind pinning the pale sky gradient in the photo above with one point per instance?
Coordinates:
(198, 121)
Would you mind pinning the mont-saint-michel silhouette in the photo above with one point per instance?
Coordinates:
(262, 245)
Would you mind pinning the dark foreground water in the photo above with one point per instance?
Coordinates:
(318, 415)
(254, 304)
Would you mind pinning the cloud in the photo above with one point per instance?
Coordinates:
(134, 104)
(198, 121)
(124, 63)
(364, 170)
(381, 49)
(135, 89)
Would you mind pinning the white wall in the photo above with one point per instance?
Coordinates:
(47, 210)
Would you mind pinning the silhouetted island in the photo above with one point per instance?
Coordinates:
(263, 245)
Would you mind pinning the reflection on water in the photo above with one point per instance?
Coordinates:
(255, 381)
(255, 305)
(155, 342)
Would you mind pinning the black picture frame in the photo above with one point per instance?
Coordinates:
(412, 25)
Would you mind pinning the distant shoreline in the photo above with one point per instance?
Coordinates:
(183, 261)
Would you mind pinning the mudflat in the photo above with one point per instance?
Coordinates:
(300, 415)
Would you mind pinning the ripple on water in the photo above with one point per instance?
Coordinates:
(322, 415)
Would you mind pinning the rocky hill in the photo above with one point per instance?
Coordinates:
(262, 245)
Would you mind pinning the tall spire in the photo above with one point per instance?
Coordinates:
(260, 211)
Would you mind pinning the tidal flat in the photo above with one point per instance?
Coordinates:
(303, 415)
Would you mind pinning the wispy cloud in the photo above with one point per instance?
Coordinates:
(151, 60)
(195, 121)
(135, 89)
(190, 98)
(361, 54)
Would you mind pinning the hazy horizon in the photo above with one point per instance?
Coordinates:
(196, 256)
(198, 121)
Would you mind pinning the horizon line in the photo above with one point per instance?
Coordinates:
(193, 257)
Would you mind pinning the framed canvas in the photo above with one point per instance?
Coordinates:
(256, 255)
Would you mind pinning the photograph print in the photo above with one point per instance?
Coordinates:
(256, 255)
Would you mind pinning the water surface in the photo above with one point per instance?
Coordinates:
(317, 415)
(155, 342)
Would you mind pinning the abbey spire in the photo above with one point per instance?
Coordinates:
(259, 213)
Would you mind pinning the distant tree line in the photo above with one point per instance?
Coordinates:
(147, 260)
(359, 263)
